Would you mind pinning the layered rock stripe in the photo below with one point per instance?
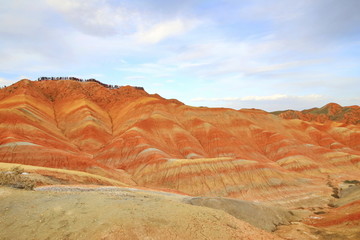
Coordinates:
(146, 140)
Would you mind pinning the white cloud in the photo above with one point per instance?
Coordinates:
(3, 81)
(157, 84)
(267, 98)
(135, 77)
(19, 59)
(284, 65)
(95, 17)
(101, 17)
(8, 82)
(273, 49)
(217, 59)
(166, 29)
(279, 11)
(308, 24)
(268, 103)
(193, 64)
(260, 98)
(153, 69)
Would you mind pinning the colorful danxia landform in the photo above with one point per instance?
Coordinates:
(86, 132)
(146, 140)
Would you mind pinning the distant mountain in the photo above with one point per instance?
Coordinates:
(329, 112)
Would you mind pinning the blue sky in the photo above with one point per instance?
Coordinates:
(267, 54)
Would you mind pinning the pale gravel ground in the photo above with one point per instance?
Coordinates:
(109, 190)
(113, 213)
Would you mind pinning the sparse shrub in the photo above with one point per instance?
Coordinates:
(17, 170)
(332, 205)
(352, 181)
(14, 178)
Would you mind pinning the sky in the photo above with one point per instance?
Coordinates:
(266, 54)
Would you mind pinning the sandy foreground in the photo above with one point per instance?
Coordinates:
(108, 212)
(114, 213)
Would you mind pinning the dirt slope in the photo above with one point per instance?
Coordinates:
(114, 214)
(266, 217)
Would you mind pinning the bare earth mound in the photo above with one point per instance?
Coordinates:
(259, 215)
(115, 214)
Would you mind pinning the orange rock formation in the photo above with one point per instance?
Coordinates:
(144, 139)
(329, 112)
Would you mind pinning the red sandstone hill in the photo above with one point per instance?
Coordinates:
(142, 139)
(329, 112)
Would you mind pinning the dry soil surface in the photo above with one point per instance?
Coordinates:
(114, 213)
